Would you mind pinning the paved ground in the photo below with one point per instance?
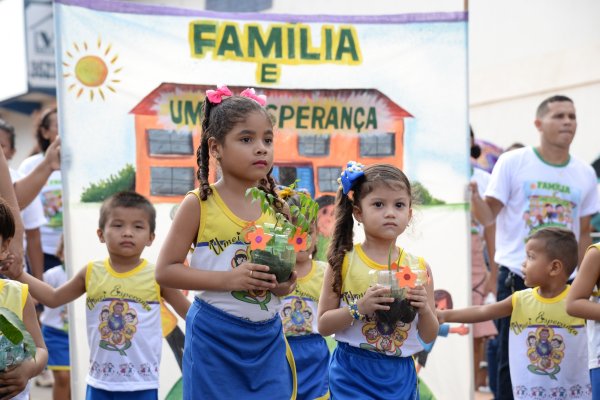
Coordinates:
(38, 393)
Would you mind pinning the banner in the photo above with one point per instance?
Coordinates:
(375, 89)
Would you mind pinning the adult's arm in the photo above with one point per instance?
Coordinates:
(8, 194)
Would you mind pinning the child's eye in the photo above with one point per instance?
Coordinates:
(245, 140)
(269, 140)
(378, 204)
(400, 205)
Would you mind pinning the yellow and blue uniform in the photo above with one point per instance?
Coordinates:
(13, 296)
(593, 332)
(373, 360)
(547, 348)
(55, 325)
(234, 342)
(124, 331)
(299, 316)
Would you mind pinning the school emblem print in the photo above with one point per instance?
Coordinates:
(385, 338)
(545, 351)
(117, 326)
(297, 317)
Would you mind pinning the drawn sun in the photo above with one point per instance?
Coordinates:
(92, 69)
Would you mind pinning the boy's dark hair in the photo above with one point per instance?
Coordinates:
(341, 240)
(441, 294)
(7, 221)
(127, 200)
(44, 143)
(543, 107)
(217, 121)
(8, 128)
(559, 244)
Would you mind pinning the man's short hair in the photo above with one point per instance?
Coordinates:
(127, 199)
(543, 107)
(559, 244)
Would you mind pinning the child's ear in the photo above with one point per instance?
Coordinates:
(100, 235)
(214, 148)
(150, 239)
(556, 267)
(357, 212)
(4, 248)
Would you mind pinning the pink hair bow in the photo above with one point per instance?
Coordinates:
(250, 93)
(216, 96)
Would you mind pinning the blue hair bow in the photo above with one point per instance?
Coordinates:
(353, 171)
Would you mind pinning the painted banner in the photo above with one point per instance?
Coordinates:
(390, 89)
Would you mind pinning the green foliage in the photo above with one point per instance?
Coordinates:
(422, 195)
(122, 180)
(303, 215)
(14, 330)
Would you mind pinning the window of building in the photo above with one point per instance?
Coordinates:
(313, 145)
(328, 177)
(377, 144)
(163, 142)
(167, 181)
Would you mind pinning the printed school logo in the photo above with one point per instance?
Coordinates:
(385, 338)
(297, 317)
(258, 297)
(117, 326)
(545, 351)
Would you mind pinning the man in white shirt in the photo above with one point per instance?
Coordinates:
(534, 182)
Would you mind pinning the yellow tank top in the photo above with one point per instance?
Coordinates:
(13, 296)
(219, 247)
(401, 340)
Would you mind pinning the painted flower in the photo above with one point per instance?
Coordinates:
(258, 239)
(299, 240)
(406, 278)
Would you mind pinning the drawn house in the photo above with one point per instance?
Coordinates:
(316, 133)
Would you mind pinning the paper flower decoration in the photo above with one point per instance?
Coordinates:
(258, 239)
(299, 240)
(406, 278)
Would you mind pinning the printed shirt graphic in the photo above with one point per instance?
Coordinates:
(299, 310)
(57, 318)
(51, 196)
(547, 349)
(219, 247)
(124, 327)
(537, 195)
(593, 329)
(13, 296)
(400, 340)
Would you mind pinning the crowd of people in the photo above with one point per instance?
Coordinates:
(252, 336)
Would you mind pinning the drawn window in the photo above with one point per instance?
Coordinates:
(377, 144)
(328, 178)
(166, 181)
(313, 145)
(163, 142)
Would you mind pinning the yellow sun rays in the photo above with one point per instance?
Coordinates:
(91, 68)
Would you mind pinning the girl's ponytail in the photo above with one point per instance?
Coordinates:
(203, 154)
(341, 241)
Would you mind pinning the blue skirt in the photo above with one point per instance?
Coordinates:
(362, 374)
(226, 357)
(311, 356)
(57, 342)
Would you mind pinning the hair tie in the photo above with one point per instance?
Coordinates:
(251, 94)
(216, 96)
(349, 176)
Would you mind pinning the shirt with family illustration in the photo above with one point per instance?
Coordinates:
(124, 327)
(547, 349)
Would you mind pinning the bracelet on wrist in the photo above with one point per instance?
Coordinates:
(356, 315)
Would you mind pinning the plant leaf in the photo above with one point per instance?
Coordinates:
(14, 330)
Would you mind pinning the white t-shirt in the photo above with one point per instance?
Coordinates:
(535, 195)
(33, 214)
(58, 317)
(51, 198)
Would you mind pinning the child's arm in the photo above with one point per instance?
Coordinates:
(578, 303)
(421, 297)
(473, 314)
(481, 210)
(14, 381)
(170, 271)
(54, 297)
(332, 318)
(177, 300)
